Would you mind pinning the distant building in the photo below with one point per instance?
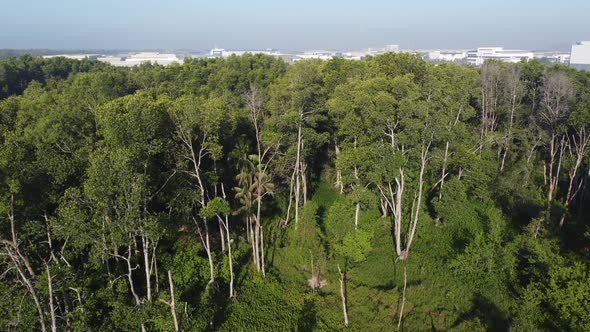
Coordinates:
(322, 55)
(73, 56)
(134, 59)
(553, 57)
(216, 52)
(153, 57)
(446, 56)
(113, 60)
(223, 53)
(580, 55)
(479, 56)
(382, 50)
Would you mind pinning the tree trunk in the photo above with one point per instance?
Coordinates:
(338, 183)
(81, 307)
(444, 171)
(554, 170)
(248, 228)
(207, 246)
(419, 202)
(401, 312)
(146, 259)
(356, 215)
(509, 143)
(290, 196)
(579, 148)
(172, 301)
(209, 257)
(256, 244)
(51, 305)
(262, 267)
(298, 175)
(130, 276)
(229, 255)
(13, 251)
(222, 237)
(568, 199)
(258, 241)
(31, 290)
(398, 212)
(343, 296)
(304, 182)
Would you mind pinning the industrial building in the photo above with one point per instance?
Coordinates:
(479, 56)
(73, 56)
(580, 56)
(447, 55)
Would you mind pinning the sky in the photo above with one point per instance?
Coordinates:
(292, 25)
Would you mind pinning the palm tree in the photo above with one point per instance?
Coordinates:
(253, 185)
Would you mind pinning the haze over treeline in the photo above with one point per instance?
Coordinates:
(292, 25)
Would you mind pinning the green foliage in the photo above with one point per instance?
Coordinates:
(112, 177)
(262, 306)
(569, 294)
(354, 246)
(189, 268)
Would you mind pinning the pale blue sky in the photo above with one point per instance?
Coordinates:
(291, 25)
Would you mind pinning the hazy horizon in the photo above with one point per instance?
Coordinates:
(199, 25)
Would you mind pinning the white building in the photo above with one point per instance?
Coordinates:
(580, 56)
(553, 57)
(113, 60)
(73, 56)
(479, 56)
(153, 57)
(382, 50)
(322, 55)
(135, 59)
(448, 56)
(223, 53)
(216, 52)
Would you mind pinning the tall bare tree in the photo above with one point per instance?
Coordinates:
(558, 89)
(261, 180)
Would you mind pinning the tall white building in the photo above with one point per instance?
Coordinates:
(580, 56)
(479, 56)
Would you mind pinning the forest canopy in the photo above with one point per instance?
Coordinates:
(245, 194)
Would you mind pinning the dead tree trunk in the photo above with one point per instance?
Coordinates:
(356, 215)
(444, 171)
(225, 224)
(298, 175)
(129, 274)
(51, 305)
(207, 247)
(578, 148)
(556, 155)
(394, 201)
(262, 265)
(222, 238)
(22, 266)
(338, 183)
(172, 303)
(343, 296)
(401, 311)
(146, 261)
